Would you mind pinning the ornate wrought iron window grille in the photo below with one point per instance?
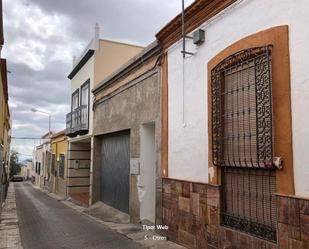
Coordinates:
(248, 202)
(241, 92)
(242, 137)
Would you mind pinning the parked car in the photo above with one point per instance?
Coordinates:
(17, 178)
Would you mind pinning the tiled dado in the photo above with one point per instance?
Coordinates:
(293, 222)
(192, 212)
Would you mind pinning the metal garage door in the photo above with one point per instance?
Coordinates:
(115, 170)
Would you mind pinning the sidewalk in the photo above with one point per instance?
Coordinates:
(119, 222)
(9, 230)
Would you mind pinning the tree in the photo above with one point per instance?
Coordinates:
(15, 166)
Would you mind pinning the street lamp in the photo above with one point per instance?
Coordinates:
(45, 113)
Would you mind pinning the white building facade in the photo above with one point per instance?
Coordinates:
(234, 33)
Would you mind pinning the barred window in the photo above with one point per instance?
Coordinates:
(243, 141)
(53, 165)
(49, 161)
(61, 165)
(242, 110)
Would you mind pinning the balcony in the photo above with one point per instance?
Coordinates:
(77, 121)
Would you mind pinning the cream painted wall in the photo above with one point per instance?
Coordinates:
(110, 56)
(188, 138)
(85, 73)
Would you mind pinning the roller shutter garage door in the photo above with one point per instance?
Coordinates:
(115, 170)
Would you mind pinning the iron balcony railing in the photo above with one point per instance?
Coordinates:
(77, 121)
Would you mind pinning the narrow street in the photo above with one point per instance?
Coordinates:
(49, 224)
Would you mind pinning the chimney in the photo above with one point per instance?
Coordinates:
(96, 36)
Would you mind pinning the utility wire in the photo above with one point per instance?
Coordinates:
(30, 138)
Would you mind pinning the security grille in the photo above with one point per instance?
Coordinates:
(61, 165)
(243, 141)
(49, 164)
(53, 164)
(242, 110)
(248, 202)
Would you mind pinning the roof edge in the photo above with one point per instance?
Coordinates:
(58, 134)
(81, 63)
(176, 19)
(195, 15)
(122, 43)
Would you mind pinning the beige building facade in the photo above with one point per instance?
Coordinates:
(42, 162)
(59, 170)
(99, 59)
(234, 125)
(5, 119)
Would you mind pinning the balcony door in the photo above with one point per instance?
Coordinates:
(85, 104)
(85, 94)
(75, 105)
(75, 100)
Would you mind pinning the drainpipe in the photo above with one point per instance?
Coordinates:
(183, 61)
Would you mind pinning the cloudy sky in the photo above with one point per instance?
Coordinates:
(41, 37)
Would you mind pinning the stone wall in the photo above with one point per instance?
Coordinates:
(192, 212)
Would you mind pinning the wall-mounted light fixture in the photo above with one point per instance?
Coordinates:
(198, 37)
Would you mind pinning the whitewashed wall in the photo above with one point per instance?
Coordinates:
(188, 138)
(85, 73)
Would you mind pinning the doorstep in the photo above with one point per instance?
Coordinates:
(57, 197)
(107, 213)
(81, 199)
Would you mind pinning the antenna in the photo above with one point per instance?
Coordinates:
(184, 52)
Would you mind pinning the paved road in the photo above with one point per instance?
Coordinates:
(48, 224)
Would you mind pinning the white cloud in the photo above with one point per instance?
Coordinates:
(29, 52)
(41, 36)
(45, 35)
